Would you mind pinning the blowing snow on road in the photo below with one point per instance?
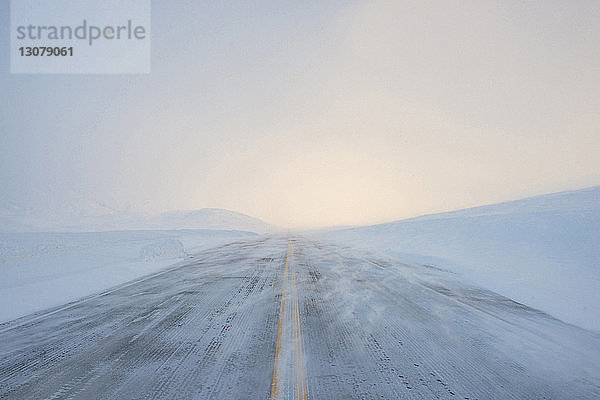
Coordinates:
(282, 318)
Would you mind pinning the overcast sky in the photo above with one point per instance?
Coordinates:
(316, 112)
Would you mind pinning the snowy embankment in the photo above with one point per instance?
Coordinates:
(42, 270)
(542, 251)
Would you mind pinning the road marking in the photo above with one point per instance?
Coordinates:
(300, 381)
(275, 384)
(282, 365)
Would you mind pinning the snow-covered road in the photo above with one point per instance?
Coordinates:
(278, 317)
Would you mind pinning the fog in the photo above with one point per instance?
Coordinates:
(316, 113)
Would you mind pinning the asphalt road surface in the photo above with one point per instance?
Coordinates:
(291, 318)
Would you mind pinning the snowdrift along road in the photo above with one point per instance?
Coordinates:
(542, 251)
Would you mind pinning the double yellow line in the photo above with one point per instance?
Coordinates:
(300, 374)
(275, 384)
(300, 389)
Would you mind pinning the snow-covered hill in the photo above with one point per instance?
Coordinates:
(542, 251)
(16, 220)
(210, 218)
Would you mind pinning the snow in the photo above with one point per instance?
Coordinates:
(166, 249)
(542, 251)
(42, 270)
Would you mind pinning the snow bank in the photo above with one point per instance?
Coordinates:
(42, 270)
(542, 251)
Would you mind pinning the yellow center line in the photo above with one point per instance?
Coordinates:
(300, 384)
(299, 376)
(274, 385)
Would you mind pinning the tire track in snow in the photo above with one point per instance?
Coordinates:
(362, 328)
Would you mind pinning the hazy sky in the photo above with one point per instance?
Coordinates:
(317, 112)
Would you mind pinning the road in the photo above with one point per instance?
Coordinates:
(292, 318)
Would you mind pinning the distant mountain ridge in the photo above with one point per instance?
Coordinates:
(206, 218)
